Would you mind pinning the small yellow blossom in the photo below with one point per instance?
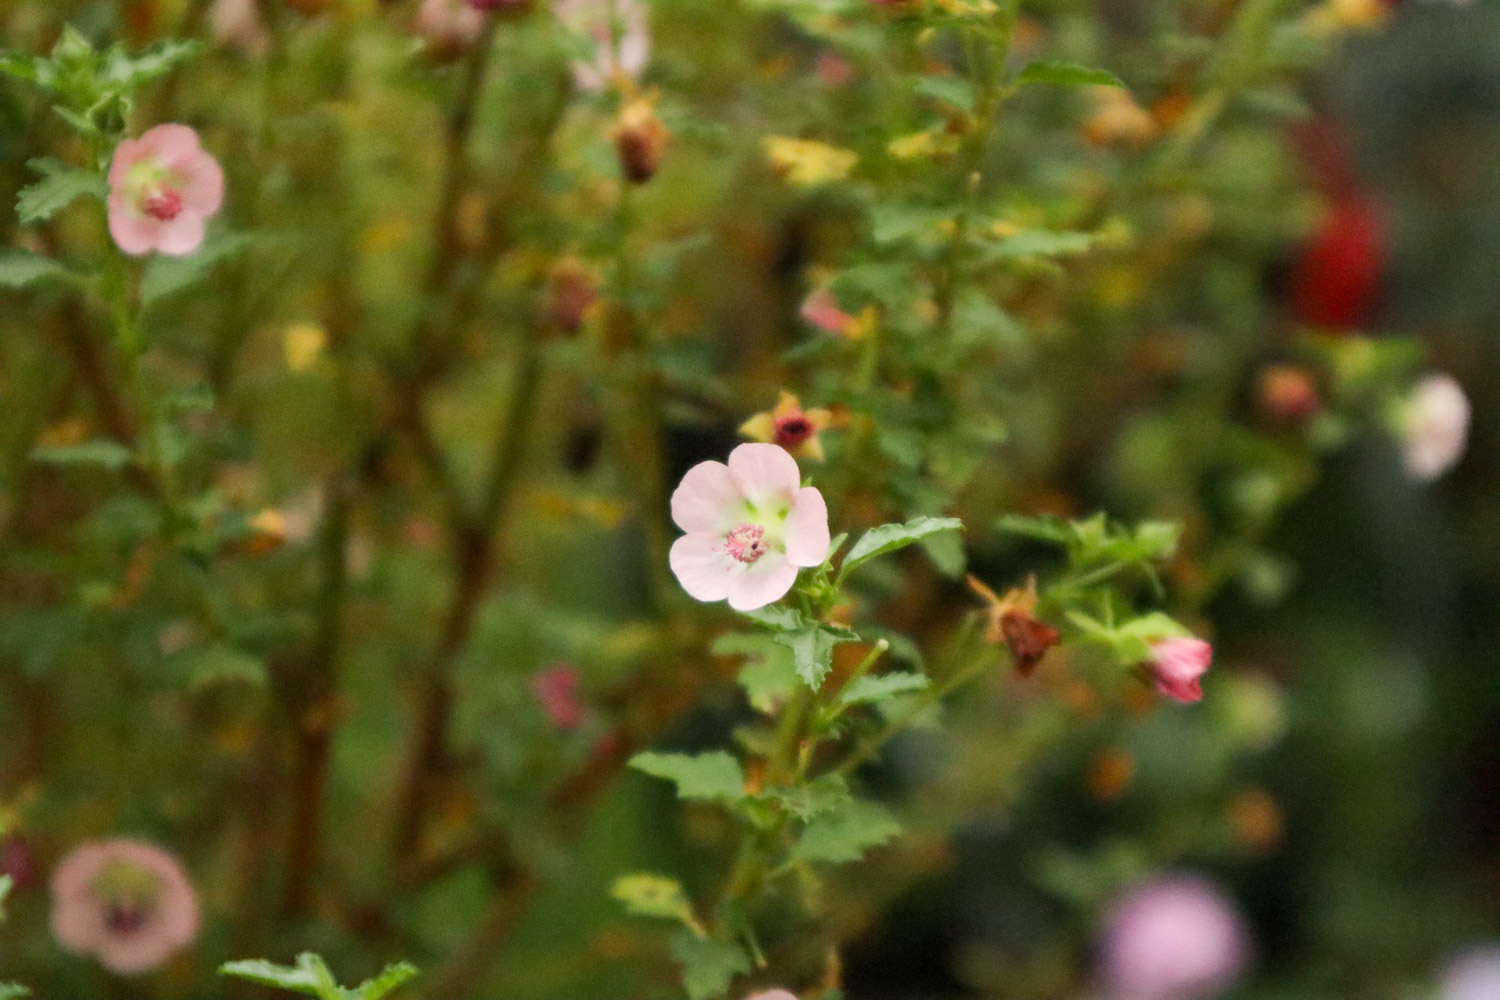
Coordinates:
(302, 345)
(806, 162)
(791, 427)
(1333, 16)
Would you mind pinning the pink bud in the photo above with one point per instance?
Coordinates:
(1176, 666)
(556, 688)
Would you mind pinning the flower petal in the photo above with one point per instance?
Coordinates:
(765, 472)
(133, 233)
(202, 184)
(806, 536)
(763, 583)
(702, 566)
(708, 499)
(170, 143)
(181, 236)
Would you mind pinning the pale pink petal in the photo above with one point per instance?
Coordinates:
(766, 473)
(807, 538)
(707, 499)
(702, 566)
(170, 143)
(127, 154)
(182, 235)
(764, 582)
(203, 184)
(134, 233)
(773, 995)
(133, 954)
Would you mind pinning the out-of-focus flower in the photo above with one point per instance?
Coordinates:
(126, 902)
(833, 70)
(1174, 938)
(821, 309)
(791, 427)
(1433, 423)
(1334, 16)
(238, 25)
(750, 525)
(163, 187)
(624, 47)
(806, 162)
(1288, 394)
(17, 861)
(447, 28)
(640, 139)
(1337, 277)
(1013, 621)
(302, 345)
(1471, 975)
(1177, 666)
(556, 690)
(773, 995)
(1117, 119)
(572, 289)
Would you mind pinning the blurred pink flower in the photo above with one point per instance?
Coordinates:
(1434, 424)
(773, 995)
(237, 24)
(1472, 975)
(447, 27)
(556, 688)
(1174, 938)
(625, 55)
(162, 188)
(821, 309)
(1177, 664)
(750, 525)
(126, 902)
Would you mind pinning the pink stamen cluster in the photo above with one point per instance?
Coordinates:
(746, 542)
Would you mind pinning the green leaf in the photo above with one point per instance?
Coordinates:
(123, 71)
(6, 882)
(1041, 243)
(310, 975)
(845, 834)
(823, 794)
(166, 276)
(705, 776)
(868, 690)
(769, 675)
(101, 452)
(890, 537)
(812, 650)
(21, 268)
(777, 618)
(391, 978)
(647, 895)
(1043, 527)
(1067, 75)
(60, 184)
(12, 991)
(207, 666)
(951, 90)
(17, 66)
(708, 967)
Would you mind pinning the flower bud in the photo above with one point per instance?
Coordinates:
(640, 140)
(572, 288)
(1176, 666)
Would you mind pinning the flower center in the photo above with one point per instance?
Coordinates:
(124, 918)
(161, 202)
(746, 542)
(792, 431)
(128, 896)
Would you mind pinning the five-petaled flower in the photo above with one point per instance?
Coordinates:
(791, 427)
(1177, 664)
(162, 189)
(750, 525)
(126, 902)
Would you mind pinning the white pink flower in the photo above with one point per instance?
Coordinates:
(1174, 938)
(750, 525)
(163, 187)
(1434, 426)
(1177, 664)
(773, 995)
(237, 24)
(622, 49)
(126, 902)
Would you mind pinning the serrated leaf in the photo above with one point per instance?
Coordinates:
(812, 650)
(1067, 75)
(123, 71)
(889, 538)
(60, 184)
(777, 618)
(165, 276)
(868, 690)
(21, 268)
(391, 978)
(657, 896)
(704, 776)
(304, 977)
(101, 452)
(951, 90)
(845, 834)
(708, 966)
(769, 676)
(17, 66)
(823, 794)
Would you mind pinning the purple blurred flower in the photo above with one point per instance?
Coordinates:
(1177, 937)
(126, 902)
(1472, 975)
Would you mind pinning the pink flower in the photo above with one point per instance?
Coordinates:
(773, 995)
(1174, 938)
(162, 188)
(1177, 664)
(1472, 975)
(447, 27)
(625, 55)
(237, 24)
(556, 688)
(1434, 425)
(750, 525)
(126, 902)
